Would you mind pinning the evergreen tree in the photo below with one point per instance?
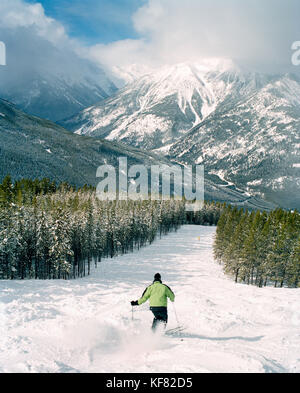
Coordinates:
(259, 248)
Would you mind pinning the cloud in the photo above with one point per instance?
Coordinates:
(19, 14)
(44, 65)
(34, 40)
(254, 33)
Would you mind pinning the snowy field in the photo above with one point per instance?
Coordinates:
(86, 325)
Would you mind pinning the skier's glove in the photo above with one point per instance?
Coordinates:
(134, 303)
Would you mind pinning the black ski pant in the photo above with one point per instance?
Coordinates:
(160, 316)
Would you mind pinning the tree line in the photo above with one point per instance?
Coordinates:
(51, 232)
(56, 231)
(208, 215)
(260, 248)
(25, 190)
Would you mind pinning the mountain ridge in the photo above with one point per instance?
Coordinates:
(167, 103)
(36, 148)
(243, 126)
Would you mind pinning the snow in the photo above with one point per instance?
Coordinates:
(146, 124)
(85, 325)
(134, 111)
(133, 72)
(184, 81)
(255, 182)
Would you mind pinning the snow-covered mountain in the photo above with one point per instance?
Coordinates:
(243, 126)
(34, 148)
(56, 86)
(254, 144)
(160, 107)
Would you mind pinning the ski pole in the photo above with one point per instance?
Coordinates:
(176, 315)
(132, 312)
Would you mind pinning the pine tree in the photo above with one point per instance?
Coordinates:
(60, 250)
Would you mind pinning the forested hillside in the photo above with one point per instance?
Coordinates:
(260, 248)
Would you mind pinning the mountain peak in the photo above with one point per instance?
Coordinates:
(243, 125)
(133, 72)
(163, 104)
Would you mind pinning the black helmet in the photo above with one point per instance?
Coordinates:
(157, 277)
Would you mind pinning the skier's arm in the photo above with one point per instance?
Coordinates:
(145, 296)
(170, 294)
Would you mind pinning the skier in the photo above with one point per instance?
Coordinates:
(158, 294)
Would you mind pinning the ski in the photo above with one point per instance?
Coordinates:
(175, 330)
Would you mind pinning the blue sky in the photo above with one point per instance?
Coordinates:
(94, 21)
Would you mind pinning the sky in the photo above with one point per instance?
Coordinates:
(257, 34)
(94, 21)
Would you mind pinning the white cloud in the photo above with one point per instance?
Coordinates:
(252, 32)
(130, 51)
(39, 51)
(17, 13)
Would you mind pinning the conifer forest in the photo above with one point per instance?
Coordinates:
(260, 248)
(50, 232)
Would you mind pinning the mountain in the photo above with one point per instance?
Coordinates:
(34, 148)
(49, 81)
(243, 126)
(157, 109)
(254, 144)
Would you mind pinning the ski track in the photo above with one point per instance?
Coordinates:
(86, 325)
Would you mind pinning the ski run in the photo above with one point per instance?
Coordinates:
(86, 325)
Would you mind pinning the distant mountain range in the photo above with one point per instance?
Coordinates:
(159, 108)
(35, 148)
(244, 127)
(48, 81)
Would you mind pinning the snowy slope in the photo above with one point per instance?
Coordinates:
(86, 326)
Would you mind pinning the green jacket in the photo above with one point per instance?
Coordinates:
(158, 294)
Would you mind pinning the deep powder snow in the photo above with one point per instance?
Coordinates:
(86, 325)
